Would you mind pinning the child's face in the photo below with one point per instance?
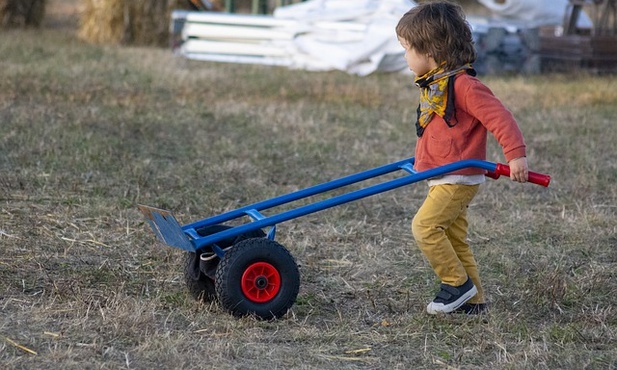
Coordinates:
(417, 62)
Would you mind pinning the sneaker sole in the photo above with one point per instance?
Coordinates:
(435, 308)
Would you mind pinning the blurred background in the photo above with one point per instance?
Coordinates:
(511, 36)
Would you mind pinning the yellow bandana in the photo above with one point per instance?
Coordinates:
(437, 95)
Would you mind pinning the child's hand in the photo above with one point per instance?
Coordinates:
(519, 170)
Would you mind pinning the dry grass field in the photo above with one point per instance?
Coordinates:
(88, 132)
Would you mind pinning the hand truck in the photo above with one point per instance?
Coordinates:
(245, 268)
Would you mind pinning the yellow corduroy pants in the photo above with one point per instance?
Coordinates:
(440, 230)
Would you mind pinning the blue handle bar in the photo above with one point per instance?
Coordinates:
(262, 221)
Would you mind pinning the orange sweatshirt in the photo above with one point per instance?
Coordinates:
(476, 111)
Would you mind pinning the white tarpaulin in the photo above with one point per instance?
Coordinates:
(368, 47)
(533, 13)
(356, 36)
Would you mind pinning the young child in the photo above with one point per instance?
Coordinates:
(454, 114)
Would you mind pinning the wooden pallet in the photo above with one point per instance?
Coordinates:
(594, 49)
(597, 54)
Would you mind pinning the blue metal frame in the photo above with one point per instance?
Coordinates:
(166, 227)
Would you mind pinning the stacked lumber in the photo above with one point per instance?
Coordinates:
(237, 38)
(570, 47)
(594, 53)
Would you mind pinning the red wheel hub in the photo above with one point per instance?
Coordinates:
(261, 282)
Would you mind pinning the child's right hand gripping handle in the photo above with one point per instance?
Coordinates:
(534, 177)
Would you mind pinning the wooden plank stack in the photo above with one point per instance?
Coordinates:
(236, 38)
(569, 48)
(597, 54)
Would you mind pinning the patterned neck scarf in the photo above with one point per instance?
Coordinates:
(437, 95)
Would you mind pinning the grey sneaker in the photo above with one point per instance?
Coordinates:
(449, 298)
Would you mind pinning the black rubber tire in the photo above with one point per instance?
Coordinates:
(230, 272)
(199, 275)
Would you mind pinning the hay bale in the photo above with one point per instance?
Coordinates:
(128, 22)
(102, 21)
(22, 13)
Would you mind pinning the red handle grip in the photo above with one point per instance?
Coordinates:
(533, 177)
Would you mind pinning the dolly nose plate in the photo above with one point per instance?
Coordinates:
(166, 227)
